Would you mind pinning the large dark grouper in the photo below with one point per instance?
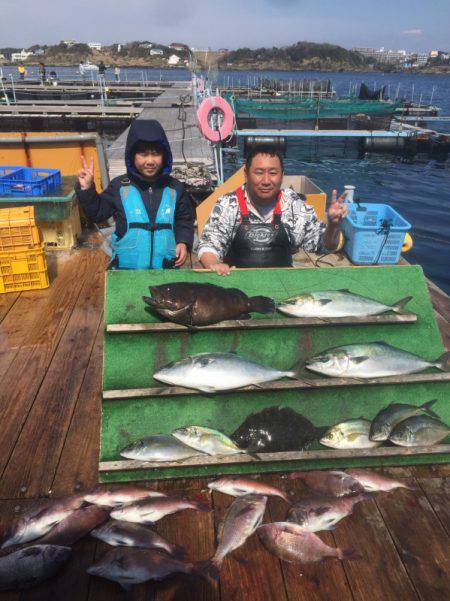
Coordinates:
(192, 304)
(30, 566)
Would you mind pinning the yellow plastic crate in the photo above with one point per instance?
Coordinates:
(61, 235)
(23, 270)
(18, 229)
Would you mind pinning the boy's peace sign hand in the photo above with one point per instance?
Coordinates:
(86, 174)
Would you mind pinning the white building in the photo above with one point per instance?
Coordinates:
(156, 52)
(95, 46)
(173, 60)
(69, 43)
(20, 56)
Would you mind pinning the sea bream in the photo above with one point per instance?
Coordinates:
(238, 487)
(372, 360)
(158, 448)
(333, 483)
(291, 543)
(420, 430)
(207, 440)
(336, 303)
(75, 526)
(119, 495)
(148, 511)
(350, 434)
(196, 304)
(323, 513)
(134, 566)
(375, 482)
(32, 565)
(214, 372)
(386, 419)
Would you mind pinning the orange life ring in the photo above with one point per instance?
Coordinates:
(215, 103)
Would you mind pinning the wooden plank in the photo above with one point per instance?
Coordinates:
(31, 474)
(6, 302)
(437, 491)
(25, 374)
(307, 582)
(300, 384)
(440, 300)
(254, 324)
(133, 465)
(250, 572)
(78, 466)
(421, 541)
(379, 574)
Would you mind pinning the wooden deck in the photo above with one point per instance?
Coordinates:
(50, 370)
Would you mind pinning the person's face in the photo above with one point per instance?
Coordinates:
(264, 178)
(149, 162)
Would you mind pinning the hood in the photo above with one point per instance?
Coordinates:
(146, 130)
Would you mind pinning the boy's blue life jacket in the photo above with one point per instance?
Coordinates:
(145, 245)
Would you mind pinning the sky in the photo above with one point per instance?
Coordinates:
(395, 24)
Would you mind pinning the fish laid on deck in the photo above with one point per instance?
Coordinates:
(28, 567)
(375, 482)
(149, 511)
(120, 495)
(323, 513)
(333, 483)
(238, 487)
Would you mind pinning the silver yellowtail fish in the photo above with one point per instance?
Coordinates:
(119, 495)
(37, 522)
(420, 430)
(291, 543)
(372, 360)
(209, 441)
(238, 487)
(242, 518)
(158, 448)
(323, 513)
(351, 434)
(212, 372)
(336, 303)
(133, 566)
(375, 482)
(29, 566)
(386, 420)
(126, 534)
(148, 511)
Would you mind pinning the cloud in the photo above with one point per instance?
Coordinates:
(412, 32)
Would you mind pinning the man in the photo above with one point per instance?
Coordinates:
(261, 225)
(22, 71)
(152, 210)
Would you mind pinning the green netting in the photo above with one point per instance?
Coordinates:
(289, 109)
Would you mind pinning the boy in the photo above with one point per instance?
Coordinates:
(152, 210)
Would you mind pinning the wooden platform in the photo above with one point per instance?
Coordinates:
(50, 370)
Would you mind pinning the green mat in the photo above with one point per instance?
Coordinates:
(131, 359)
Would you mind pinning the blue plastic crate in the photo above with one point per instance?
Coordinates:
(374, 234)
(6, 171)
(29, 181)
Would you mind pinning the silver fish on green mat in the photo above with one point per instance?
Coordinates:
(114, 496)
(207, 440)
(158, 448)
(149, 511)
(134, 566)
(213, 372)
(372, 360)
(376, 482)
(238, 487)
(291, 543)
(351, 434)
(323, 513)
(242, 518)
(126, 534)
(386, 420)
(32, 565)
(420, 430)
(336, 303)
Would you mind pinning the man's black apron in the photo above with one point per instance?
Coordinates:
(259, 244)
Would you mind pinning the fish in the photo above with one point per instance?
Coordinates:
(209, 441)
(375, 482)
(337, 303)
(419, 430)
(291, 543)
(386, 419)
(238, 487)
(129, 566)
(333, 483)
(194, 304)
(32, 565)
(76, 526)
(214, 372)
(323, 513)
(372, 360)
(276, 429)
(37, 522)
(158, 448)
(242, 518)
(120, 495)
(125, 534)
(149, 511)
(351, 434)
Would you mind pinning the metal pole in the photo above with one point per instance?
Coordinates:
(412, 93)
(4, 92)
(13, 89)
(432, 94)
